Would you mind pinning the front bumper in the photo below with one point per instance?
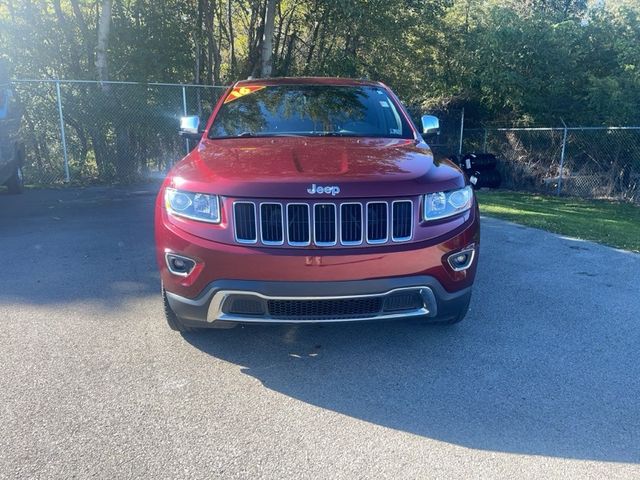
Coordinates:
(359, 280)
(216, 261)
(212, 306)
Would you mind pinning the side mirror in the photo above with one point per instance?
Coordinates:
(430, 125)
(189, 127)
(190, 124)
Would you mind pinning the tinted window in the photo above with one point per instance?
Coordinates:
(359, 111)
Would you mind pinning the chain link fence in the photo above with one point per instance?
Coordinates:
(447, 142)
(111, 132)
(587, 162)
(83, 132)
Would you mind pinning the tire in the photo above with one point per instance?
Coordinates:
(175, 323)
(15, 184)
(462, 313)
(455, 320)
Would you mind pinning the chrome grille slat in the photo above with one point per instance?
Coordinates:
(324, 224)
(401, 220)
(377, 222)
(271, 223)
(244, 217)
(351, 223)
(298, 224)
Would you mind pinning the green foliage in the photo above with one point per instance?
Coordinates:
(511, 61)
(506, 61)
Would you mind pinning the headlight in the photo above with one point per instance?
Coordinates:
(444, 204)
(197, 206)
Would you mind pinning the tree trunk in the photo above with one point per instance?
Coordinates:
(99, 141)
(277, 35)
(267, 39)
(213, 52)
(281, 52)
(104, 27)
(84, 29)
(286, 64)
(125, 164)
(198, 40)
(314, 40)
(36, 143)
(255, 31)
(232, 46)
(76, 68)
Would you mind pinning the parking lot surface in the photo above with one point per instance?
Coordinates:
(542, 380)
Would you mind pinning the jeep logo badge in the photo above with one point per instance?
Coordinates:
(329, 189)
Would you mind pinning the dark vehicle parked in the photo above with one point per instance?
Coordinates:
(314, 200)
(11, 147)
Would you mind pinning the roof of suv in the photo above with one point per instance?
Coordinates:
(307, 81)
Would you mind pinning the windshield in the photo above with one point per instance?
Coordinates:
(309, 110)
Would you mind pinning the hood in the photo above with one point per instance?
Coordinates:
(294, 167)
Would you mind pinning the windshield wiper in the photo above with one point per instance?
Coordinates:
(249, 134)
(329, 134)
(264, 135)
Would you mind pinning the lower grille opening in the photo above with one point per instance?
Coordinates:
(325, 309)
(400, 301)
(245, 305)
(252, 306)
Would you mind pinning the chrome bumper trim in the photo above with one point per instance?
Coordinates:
(216, 305)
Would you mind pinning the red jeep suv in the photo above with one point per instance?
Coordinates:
(313, 200)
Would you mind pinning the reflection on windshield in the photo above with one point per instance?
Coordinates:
(310, 110)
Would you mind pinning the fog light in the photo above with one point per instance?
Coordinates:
(179, 265)
(463, 259)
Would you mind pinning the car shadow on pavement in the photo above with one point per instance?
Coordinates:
(546, 362)
(490, 391)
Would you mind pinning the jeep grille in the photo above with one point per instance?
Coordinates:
(322, 223)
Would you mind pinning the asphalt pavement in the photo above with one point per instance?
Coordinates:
(542, 380)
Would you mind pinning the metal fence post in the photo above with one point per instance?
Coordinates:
(184, 108)
(484, 143)
(564, 145)
(461, 131)
(67, 177)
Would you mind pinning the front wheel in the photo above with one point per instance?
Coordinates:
(174, 322)
(457, 319)
(458, 316)
(15, 184)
